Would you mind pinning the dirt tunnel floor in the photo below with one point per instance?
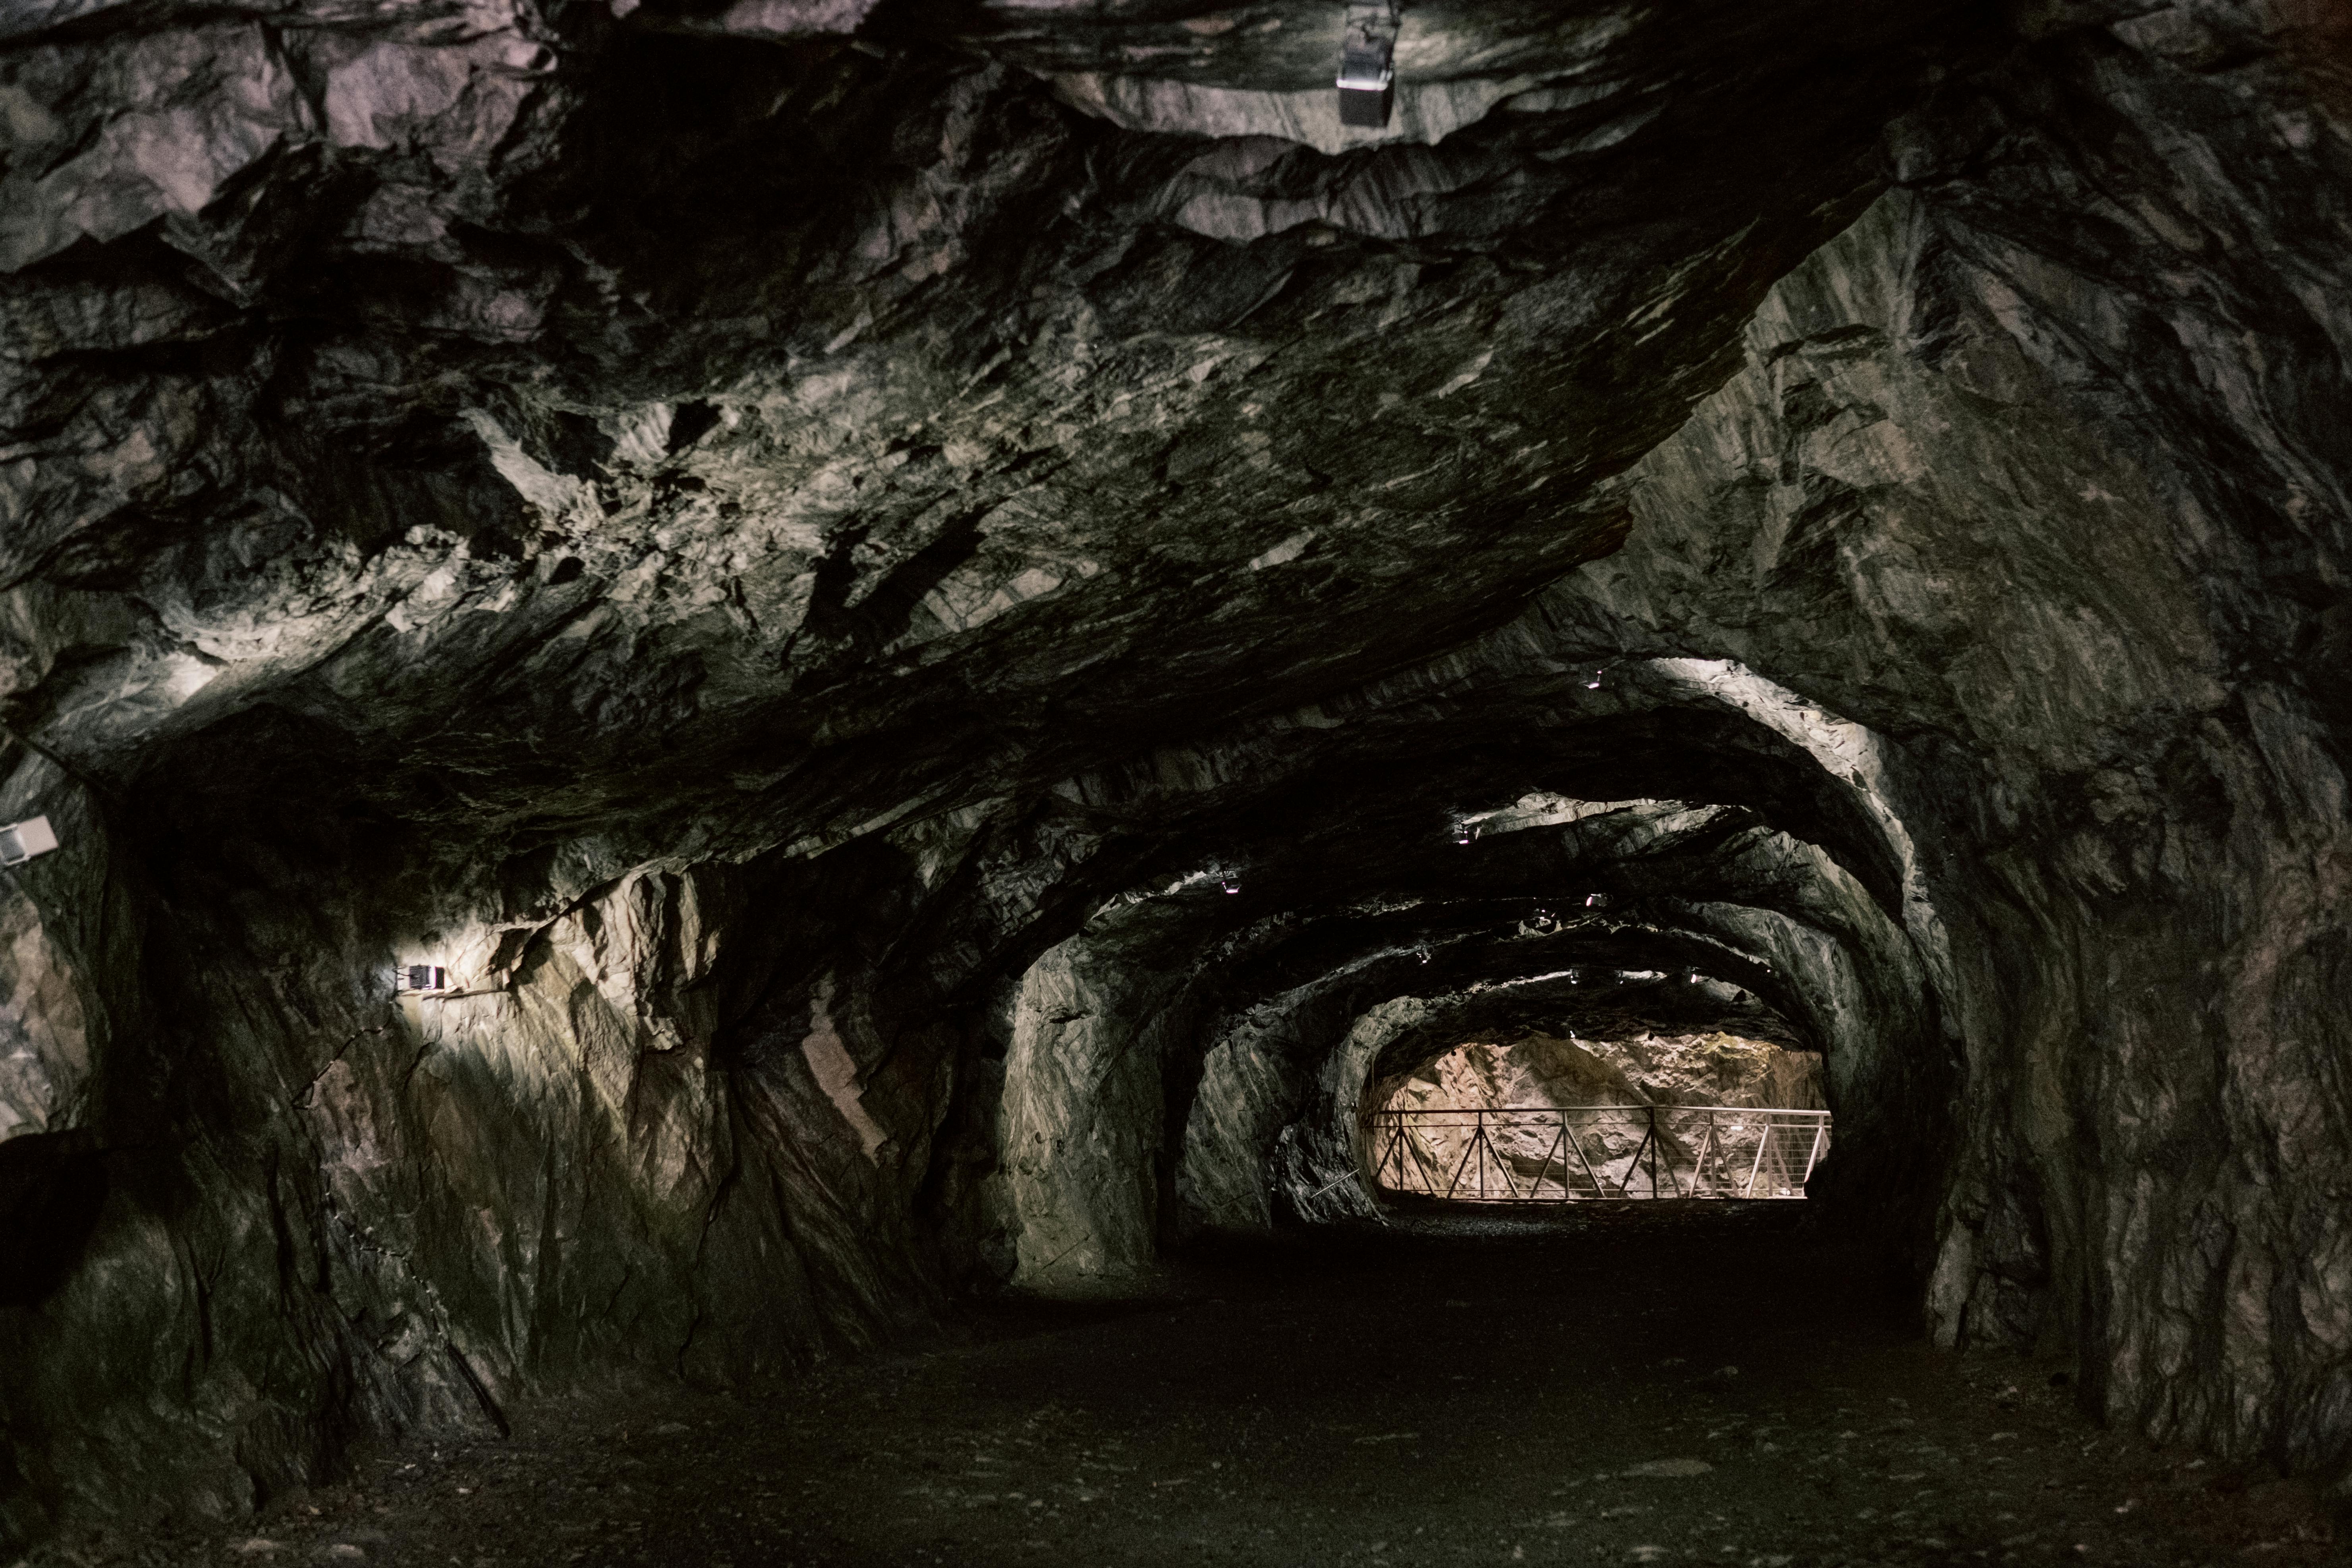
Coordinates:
(1630, 1383)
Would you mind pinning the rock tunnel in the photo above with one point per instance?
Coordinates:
(955, 622)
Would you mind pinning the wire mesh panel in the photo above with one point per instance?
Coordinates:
(1588, 1152)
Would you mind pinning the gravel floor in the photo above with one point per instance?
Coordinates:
(1621, 1383)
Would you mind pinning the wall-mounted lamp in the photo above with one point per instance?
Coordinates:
(1368, 63)
(20, 841)
(1225, 881)
(420, 977)
(1596, 900)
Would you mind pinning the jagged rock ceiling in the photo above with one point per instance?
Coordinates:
(547, 415)
(800, 547)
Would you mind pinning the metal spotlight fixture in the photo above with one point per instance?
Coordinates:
(1230, 886)
(420, 977)
(1596, 900)
(20, 841)
(1368, 63)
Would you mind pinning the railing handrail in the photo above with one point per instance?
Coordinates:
(1580, 1110)
(1479, 1151)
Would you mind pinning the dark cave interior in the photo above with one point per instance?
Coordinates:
(968, 630)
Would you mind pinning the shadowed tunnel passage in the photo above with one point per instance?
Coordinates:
(1678, 1382)
(732, 694)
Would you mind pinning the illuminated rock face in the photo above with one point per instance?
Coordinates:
(801, 569)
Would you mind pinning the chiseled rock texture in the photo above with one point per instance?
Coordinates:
(1653, 1066)
(961, 622)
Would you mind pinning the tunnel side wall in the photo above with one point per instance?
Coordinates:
(2129, 788)
(287, 1209)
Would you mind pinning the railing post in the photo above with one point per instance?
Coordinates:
(1654, 1152)
(1763, 1142)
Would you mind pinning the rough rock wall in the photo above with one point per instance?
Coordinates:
(2024, 518)
(1083, 1135)
(1654, 1066)
(468, 469)
(2055, 503)
(307, 1211)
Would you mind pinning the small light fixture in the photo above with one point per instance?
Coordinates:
(1226, 880)
(1424, 955)
(20, 841)
(420, 977)
(1596, 900)
(1367, 79)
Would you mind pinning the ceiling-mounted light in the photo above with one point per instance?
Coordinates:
(1368, 63)
(20, 841)
(1424, 954)
(1596, 900)
(1226, 880)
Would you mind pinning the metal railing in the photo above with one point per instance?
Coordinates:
(1588, 1152)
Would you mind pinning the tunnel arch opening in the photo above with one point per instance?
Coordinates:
(1616, 1099)
(1209, 1068)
